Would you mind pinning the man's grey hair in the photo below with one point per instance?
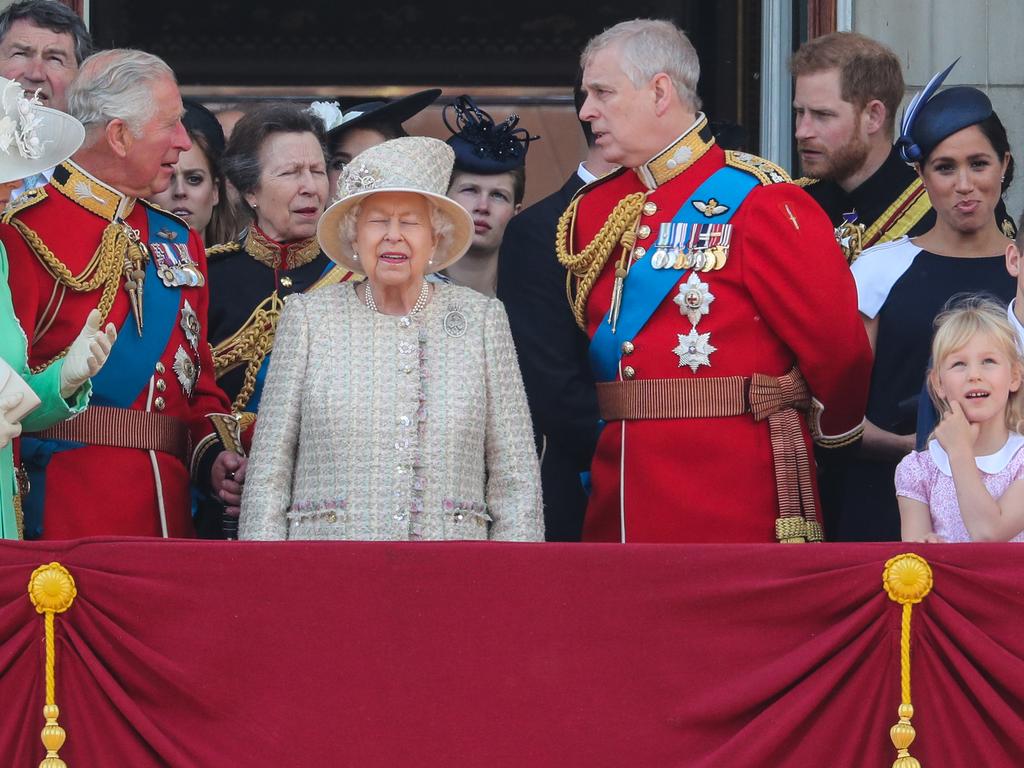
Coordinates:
(648, 47)
(117, 84)
(440, 221)
(51, 15)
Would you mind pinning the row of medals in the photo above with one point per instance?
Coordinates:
(673, 252)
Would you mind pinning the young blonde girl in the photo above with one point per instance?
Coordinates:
(968, 485)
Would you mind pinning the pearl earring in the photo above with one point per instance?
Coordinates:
(355, 257)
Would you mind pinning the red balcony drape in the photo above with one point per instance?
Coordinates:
(295, 654)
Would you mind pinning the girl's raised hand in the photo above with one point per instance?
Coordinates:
(955, 433)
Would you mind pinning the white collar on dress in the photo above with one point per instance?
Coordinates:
(1016, 323)
(992, 464)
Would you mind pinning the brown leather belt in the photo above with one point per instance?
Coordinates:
(775, 398)
(124, 428)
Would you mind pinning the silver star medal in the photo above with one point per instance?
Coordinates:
(190, 325)
(186, 371)
(694, 349)
(694, 299)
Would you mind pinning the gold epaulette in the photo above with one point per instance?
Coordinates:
(164, 211)
(218, 250)
(25, 200)
(766, 171)
(248, 346)
(805, 181)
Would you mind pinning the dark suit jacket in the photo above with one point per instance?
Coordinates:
(553, 358)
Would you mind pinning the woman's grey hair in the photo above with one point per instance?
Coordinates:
(648, 47)
(241, 160)
(440, 221)
(117, 84)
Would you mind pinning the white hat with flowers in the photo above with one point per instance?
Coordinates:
(33, 137)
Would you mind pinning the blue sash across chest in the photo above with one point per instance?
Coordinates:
(133, 357)
(645, 287)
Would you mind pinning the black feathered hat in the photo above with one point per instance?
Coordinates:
(480, 145)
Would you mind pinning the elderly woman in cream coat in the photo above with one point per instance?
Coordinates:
(394, 409)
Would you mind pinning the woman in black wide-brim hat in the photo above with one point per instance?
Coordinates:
(365, 125)
(960, 149)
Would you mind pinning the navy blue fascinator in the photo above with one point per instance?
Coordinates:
(480, 145)
(932, 117)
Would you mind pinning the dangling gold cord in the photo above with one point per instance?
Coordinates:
(51, 590)
(586, 265)
(907, 580)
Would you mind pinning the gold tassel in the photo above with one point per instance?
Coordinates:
(51, 590)
(907, 580)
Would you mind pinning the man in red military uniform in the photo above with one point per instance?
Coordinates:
(722, 316)
(86, 240)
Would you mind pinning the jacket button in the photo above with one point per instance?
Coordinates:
(639, 252)
(286, 281)
(627, 347)
(159, 403)
(650, 208)
(161, 385)
(160, 367)
(643, 232)
(628, 372)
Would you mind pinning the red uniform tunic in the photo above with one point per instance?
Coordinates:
(98, 489)
(785, 297)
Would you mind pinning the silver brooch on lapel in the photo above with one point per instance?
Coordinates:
(455, 323)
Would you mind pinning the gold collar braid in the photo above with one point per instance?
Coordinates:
(586, 266)
(280, 255)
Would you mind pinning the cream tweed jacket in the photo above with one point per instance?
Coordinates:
(374, 427)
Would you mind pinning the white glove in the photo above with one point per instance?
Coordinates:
(87, 354)
(8, 429)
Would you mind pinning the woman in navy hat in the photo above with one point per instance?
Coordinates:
(489, 181)
(959, 147)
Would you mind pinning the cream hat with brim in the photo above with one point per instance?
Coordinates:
(416, 164)
(33, 138)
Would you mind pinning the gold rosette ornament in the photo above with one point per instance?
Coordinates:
(51, 590)
(907, 580)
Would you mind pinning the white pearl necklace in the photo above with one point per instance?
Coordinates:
(421, 300)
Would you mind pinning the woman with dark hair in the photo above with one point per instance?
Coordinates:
(197, 191)
(959, 147)
(276, 161)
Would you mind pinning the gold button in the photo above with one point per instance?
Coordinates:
(639, 252)
(332, 518)
(159, 403)
(160, 368)
(161, 385)
(628, 372)
(644, 232)
(286, 281)
(627, 347)
(650, 208)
